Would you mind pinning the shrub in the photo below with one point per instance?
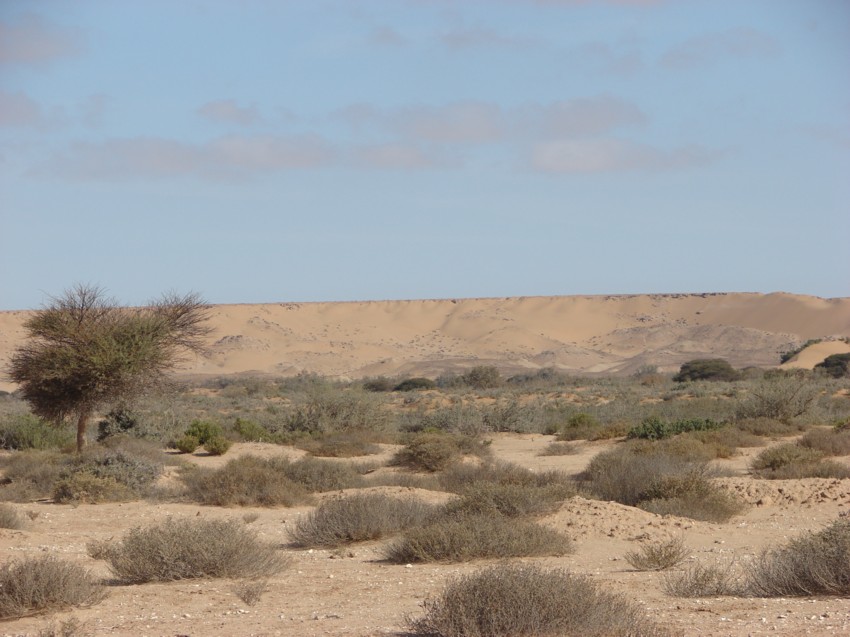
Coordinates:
(836, 365)
(31, 475)
(204, 431)
(9, 518)
(415, 384)
(326, 410)
(84, 486)
(358, 518)
(378, 384)
(460, 478)
(700, 580)
(766, 427)
(511, 500)
(117, 421)
(250, 431)
(830, 442)
(25, 431)
(507, 600)
(816, 563)
(250, 591)
(217, 446)
(323, 475)
(437, 451)
(246, 481)
(706, 369)
(792, 461)
(188, 548)
(187, 443)
(782, 398)
(658, 556)
(482, 377)
(558, 449)
(342, 444)
(41, 584)
(473, 537)
(653, 428)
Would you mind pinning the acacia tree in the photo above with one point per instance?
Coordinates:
(84, 352)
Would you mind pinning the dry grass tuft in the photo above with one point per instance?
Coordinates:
(250, 591)
(37, 585)
(699, 580)
(9, 518)
(658, 556)
(792, 461)
(188, 548)
(508, 600)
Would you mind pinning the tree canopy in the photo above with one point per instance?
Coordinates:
(83, 351)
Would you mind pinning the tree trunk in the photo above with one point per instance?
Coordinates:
(81, 430)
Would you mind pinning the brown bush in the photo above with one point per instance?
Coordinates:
(36, 585)
(700, 580)
(342, 444)
(358, 518)
(9, 518)
(188, 548)
(658, 556)
(511, 500)
(432, 451)
(508, 600)
(792, 461)
(831, 442)
(475, 537)
(558, 449)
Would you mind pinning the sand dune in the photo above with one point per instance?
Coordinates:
(581, 334)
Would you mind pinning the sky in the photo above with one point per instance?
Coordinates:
(339, 150)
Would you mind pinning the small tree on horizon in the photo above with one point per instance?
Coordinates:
(84, 352)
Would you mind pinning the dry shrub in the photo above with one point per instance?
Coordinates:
(246, 481)
(35, 585)
(341, 444)
(767, 427)
(188, 548)
(511, 500)
(358, 518)
(831, 442)
(89, 488)
(71, 627)
(459, 478)
(558, 449)
(507, 600)
(691, 495)
(699, 580)
(31, 475)
(250, 591)
(428, 482)
(474, 537)
(658, 556)
(323, 475)
(434, 451)
(816, 563)
(9, 518)
(792, 461)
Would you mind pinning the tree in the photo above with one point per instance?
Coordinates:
(84, 352)
(706, 369)
(836, 365)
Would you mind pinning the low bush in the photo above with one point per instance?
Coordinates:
(250, 431)
(511, 499)
(436, 451)
(831, 442)
(654, 428)
(343, 444)
(187, 444)
(217, 446)
(658, 556)
(782, 398)
(84, 486)
(415, 384)
(9, 518)
(324, 410)
(475, 537)
(460, 478)
(378, 384)
(31, 475)
(482, 377)
(204, 430)
(716, 369)
(507, 600)
(188, 548)
(702, 580)
(558, 449)
(25, 431)
(836, 365)
(323, 475)
(793, 461)
(767, 427)
(358, 518)
(42, 584)
(815, 563)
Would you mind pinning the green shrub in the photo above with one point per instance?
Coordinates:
(41, 584)
(508, 600)
(204, 430)
(653, 428)
(187, 443)
(836, 365)
(415, 384)
(476, 537)
(117, 421)
(816, 563)
(25, 431)
(706, 369)
(188, 548)
(658, 556)
(250, 431)
(358, 518)
(217, 446)
(437, 451)
(792, 461)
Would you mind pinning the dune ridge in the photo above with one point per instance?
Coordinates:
(611, 334)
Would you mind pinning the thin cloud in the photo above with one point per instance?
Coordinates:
(612, 155)
(459, 122)
(229, 112)
(387, 36)
(32, 40)
(18, 110)
(585, 116)
(154, 157)
(705, 49)
(608, 60)
(396, 156)
(459, 39)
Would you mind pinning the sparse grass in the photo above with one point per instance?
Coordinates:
(768, 427)
(700, 580)
(31, 475)
(475, 537)
(188, 548)
(658, 556)
(793, 461)
(509, 600)
(558, 449)
(25, 431)
(358, 518)
(436, 451)
(816, 563)
(831, 442)
(9, 518)
(36, 585)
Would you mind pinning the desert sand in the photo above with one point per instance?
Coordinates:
(353, 592)
(576, 334)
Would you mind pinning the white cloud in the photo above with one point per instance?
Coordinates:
(229, 112)
(613, 155)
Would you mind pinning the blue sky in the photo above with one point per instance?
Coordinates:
(263, 151)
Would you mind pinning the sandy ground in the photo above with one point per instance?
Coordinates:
(352, 592)
(588, 334)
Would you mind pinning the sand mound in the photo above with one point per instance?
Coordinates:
(816, 353)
